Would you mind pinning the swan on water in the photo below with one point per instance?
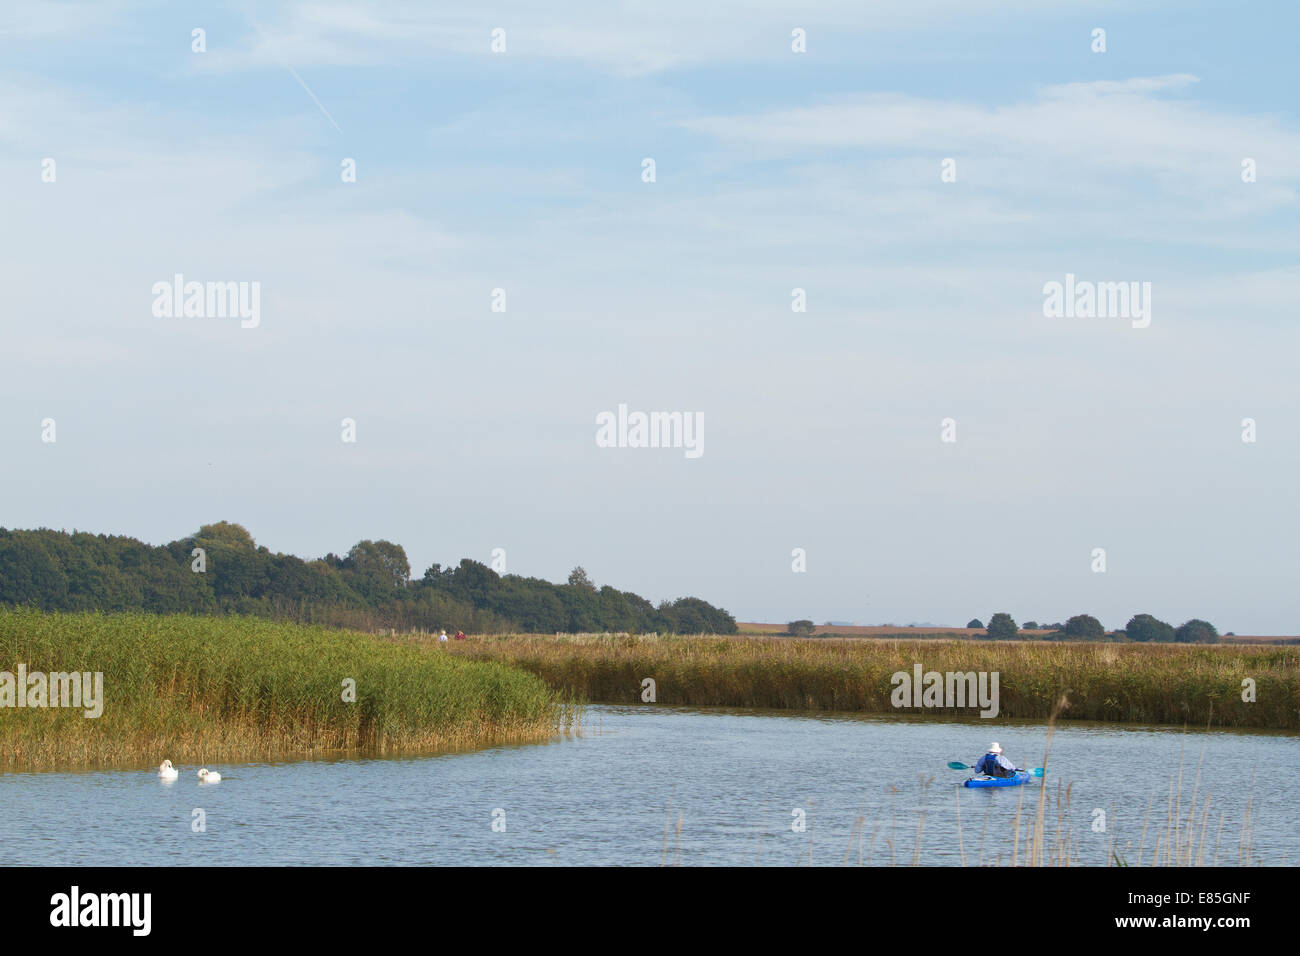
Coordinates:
(209, 776)
(167, 771)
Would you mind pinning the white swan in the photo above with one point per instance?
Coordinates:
(166, 771)
(209, 776)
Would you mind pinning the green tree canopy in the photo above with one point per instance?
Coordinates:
(1148, 629)
(1196, 631)
(1085, 627)
(578, 579)
(225, 534)
(375, 568)
(369, 587)
(1002, 627)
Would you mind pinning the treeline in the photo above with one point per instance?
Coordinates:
(221, 570)
(1142, 628)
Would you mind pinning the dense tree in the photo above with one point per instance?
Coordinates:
(235, 567)
(801, 628)
(578, 579)
(1196, 631)
(691, 615)
(1084, 627)
(225, 534)
(975, 623)
(1002, 627)
(581, 608)
(1148, 629)
(30, 573)
(473, 581)
(369, 587)
(616, 612)
(376, 568)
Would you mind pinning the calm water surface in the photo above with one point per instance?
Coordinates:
(733, 777)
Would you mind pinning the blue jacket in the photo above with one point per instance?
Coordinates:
(995, 765)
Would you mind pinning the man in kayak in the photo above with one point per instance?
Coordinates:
(994, 764)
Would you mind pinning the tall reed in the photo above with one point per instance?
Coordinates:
(1167, 684)
(197, 689)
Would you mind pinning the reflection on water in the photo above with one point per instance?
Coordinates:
(645, 784)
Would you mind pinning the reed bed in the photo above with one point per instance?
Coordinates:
(1164, 684)
(207, 690)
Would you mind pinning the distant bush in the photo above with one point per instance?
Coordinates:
(1147, 629)
(1084, 627)
(975, 623)
(1002, 627)
(801, 628)
(1196, 631)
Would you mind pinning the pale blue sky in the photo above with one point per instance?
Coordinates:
(774, 170)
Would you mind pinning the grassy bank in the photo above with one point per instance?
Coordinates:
(1168, 684)
(207, 690)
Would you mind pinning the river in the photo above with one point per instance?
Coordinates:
(741, 783)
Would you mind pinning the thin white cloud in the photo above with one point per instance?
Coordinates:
(1128, 159)
(1088, 124)
(623, 38)
(1135, 86)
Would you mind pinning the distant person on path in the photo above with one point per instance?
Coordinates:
(994, 764)
(443, 637)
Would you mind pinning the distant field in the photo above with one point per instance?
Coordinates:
(1247, 639)
(911, 633)
(918, 633)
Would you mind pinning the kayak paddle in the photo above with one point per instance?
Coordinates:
(956, 765)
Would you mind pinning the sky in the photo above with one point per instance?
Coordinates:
(921, 171)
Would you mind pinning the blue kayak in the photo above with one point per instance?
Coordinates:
(983, 780)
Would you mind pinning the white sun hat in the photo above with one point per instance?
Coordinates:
(995, 748)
